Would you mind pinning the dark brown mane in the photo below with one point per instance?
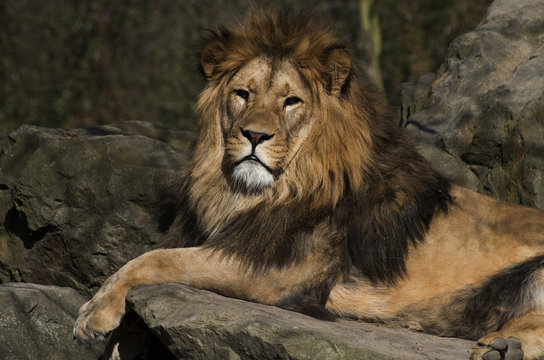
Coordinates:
(395, 208)
(363, 178)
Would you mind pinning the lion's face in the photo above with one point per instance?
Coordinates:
(273, 114)
(266, 117)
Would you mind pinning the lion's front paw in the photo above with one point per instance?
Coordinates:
(96, 319)
(498, 349)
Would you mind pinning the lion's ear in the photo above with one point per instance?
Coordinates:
(338, 65)
(210, 57)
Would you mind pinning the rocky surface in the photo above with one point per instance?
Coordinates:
(77, 204)
(36, 322)
(480, 118)
(196, 324)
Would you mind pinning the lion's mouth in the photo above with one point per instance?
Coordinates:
(253, 158)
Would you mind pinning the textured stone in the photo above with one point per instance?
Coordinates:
(480, 120)
(197, 324)
(77, 204)
(36, 322)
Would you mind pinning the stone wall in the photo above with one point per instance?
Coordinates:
(480, 118)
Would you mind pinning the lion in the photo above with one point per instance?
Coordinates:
(303, 194)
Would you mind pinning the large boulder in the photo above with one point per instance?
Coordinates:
(75, 205)
(36, 322)
(480, 118)
(197, 324)
(174, 321)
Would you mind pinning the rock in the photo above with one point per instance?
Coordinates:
(77, 204)
(480, 119)
(197, 324)
(36, 322)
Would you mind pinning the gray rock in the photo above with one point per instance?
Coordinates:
(77, 204)
(36, 322)
(480, 119)
(197, 324)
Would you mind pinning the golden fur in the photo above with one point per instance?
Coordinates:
(301, 193)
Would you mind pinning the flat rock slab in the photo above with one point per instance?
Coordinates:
(36, 322)
(197, 324)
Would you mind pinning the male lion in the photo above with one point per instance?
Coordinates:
(302, 194)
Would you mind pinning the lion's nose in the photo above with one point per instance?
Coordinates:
(255, 137)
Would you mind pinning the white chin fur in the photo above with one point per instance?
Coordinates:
(252, 176)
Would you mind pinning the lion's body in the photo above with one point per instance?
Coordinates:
(462, 251)
(303, 194)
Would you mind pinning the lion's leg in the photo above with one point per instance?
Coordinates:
(104, 311)
(197, 267)
(520, 338)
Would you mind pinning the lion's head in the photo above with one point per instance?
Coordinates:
(274, 109)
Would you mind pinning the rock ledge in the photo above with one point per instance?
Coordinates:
(198, 324)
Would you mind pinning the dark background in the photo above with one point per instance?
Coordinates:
(66, 63)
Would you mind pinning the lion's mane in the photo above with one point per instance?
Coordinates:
(355, 174)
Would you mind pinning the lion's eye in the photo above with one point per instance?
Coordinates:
(242, 93)
(292, 100)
